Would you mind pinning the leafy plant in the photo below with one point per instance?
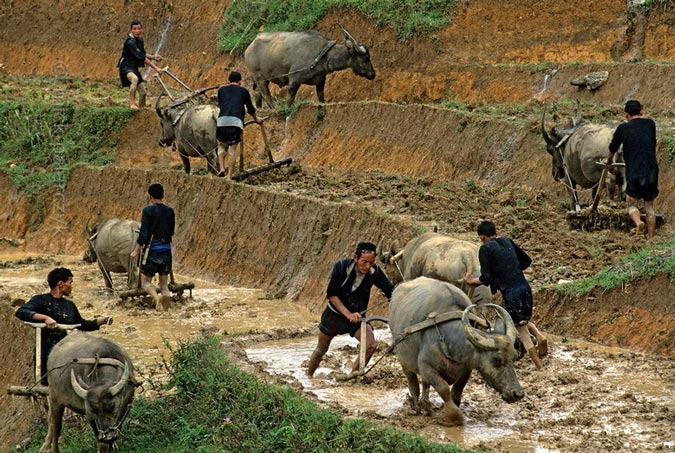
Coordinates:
(244, 19)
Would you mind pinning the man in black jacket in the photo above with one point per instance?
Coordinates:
(348, 295)
(502, 264)
(233, 100)
(134, 57)
(638, 136)
(53, 308)
(158, 223)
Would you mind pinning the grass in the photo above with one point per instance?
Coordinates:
(244, 19)
(41, 143)
(220, 408)
(647, 262)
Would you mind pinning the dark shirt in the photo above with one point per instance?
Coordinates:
(63, 311)
(638, 137)
(232, 99)
(342, 278)
(158, 221)
(133, 55)
(502, 264)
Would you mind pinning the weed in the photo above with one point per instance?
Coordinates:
(669, 143)
(85, 135)
(243, 20)
(218, 407)
(646, 262)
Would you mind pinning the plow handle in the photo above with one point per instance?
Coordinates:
(601, 186)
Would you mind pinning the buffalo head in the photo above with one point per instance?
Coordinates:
(90, 253)
(106, 403)
(391, 261)
(555, 142)
(359, 57)
(495, 353)
(166, 121)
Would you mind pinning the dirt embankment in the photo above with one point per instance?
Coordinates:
(16, 357)
(228, 233)
(477, 58)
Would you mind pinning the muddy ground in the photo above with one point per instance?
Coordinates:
(589, 398)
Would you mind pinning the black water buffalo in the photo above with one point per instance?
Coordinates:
(444, 354)
(191, 131)
(94, 377)
(436, 256)
(302, 58)
(110, 243)
(578, 147)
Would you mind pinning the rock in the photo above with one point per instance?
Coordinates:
(592, 80)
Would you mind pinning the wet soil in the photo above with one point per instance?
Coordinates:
(589, 398)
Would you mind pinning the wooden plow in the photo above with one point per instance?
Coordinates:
(604, 217)
(37, 389)
(272, 164)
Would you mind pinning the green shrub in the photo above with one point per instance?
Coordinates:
(244, 19)
(40, 143)
(221, 408)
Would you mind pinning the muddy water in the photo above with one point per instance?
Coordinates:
(589, 398)
(142, 331)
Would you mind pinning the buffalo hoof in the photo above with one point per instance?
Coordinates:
(451, 416)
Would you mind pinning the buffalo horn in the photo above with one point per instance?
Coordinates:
(397, 256)
(577, 118)
(348, 37)
(394, 247)
(115, 389)
(478, 338)
(79, 390)
(87, 229)
(158, 107)
(379, 248)
(511, 332)
(549, 140)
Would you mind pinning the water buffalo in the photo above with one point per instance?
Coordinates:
(579, 147)
(436, 256)
(444, 354)
(94, 377)
(302, 58)
(110, 243)
(191, 131)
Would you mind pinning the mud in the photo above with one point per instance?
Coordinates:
(588, 398)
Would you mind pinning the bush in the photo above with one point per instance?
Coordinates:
(40, 143)
(244, 19)
(221, 408)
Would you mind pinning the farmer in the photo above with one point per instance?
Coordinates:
(348, 295)
(502, 264)
(638, 136)
(134, 57)
(232, 100)
(53, 308)
(157, 228)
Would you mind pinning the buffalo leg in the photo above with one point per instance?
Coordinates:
(458, 388)
(321, 114)
(265, 91)
(51, 443)
(292, 92)
(413, 388)
(451, 415)
(186, 162)
(425, 404)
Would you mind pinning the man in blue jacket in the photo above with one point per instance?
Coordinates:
(53, 308)
(348, 295)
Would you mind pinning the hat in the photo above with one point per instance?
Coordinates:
(633, 107)
(368, 247)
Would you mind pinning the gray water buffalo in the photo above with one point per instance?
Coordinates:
(191, 131)
(436, 256)
(579, 147)
(445, 353)
(110, 243)
(302, 58)
(94, 377)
